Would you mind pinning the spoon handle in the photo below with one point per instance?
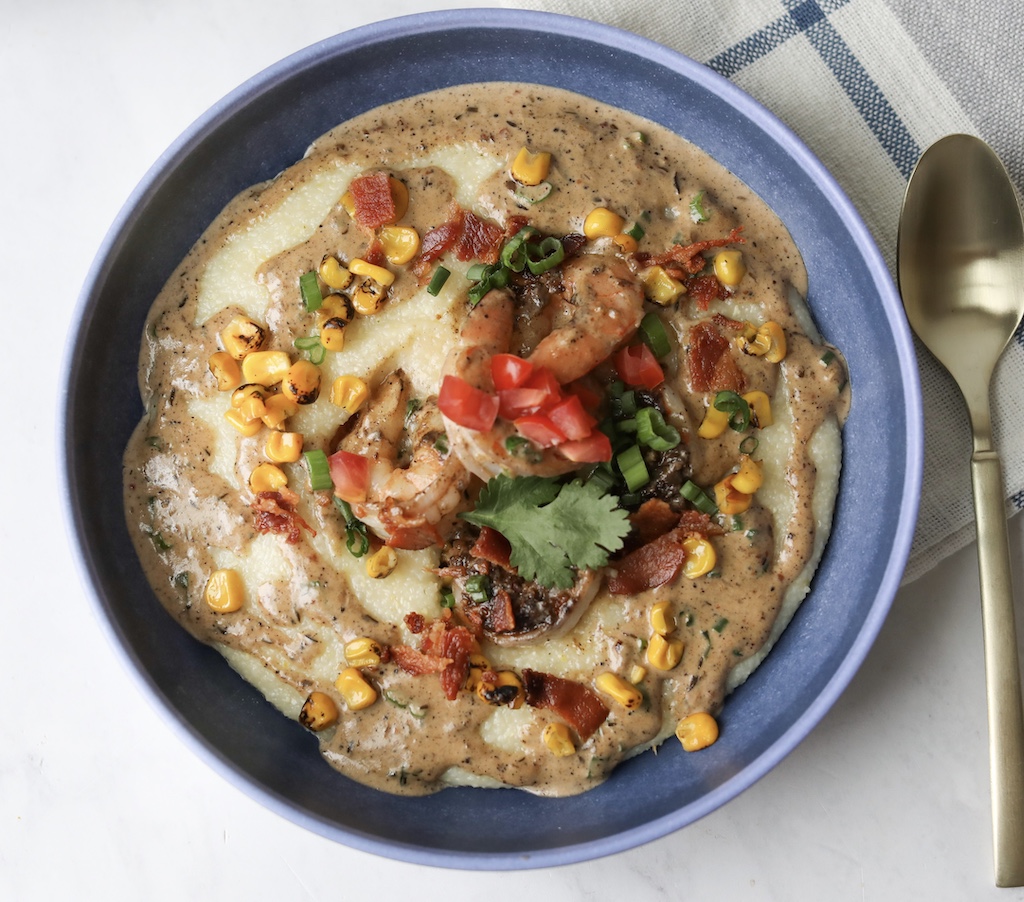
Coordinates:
(1002, 671)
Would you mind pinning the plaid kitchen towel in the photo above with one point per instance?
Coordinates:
(868, 85)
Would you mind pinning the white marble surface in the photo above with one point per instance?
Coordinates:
(886, 800)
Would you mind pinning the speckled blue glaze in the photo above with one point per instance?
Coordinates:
(267, 124)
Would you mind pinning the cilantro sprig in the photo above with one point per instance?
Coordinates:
(552, 527)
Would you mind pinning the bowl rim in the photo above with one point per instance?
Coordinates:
(600, 35)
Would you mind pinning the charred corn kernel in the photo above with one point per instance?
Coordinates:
(637, 673)
(602, 223)
(265, 367)
(242, 336)
(243, 424)
(332, 334)
(626, 694)
(768, 341)
(478, 666)
(749, 477)
(335, 306)
(319, 712)
(700, 557)
(531, 168)
(662, 619)
(225, 592)
(349, 392)
(333, 274)
(760, 407)
(368, 297)
(660, 287)
(355, 689)
(267, 478)
(381, 562)
(349, 203)
(401, 243)
(302, 384)
(730, 268)
(380, 274)
(729, 500)
(250, 401)
(225, 370)
(400, 195)
(777, 352)
(283, 447)
(626, 243)
(664, 654)
(279, 408)
(505, 689)
(558, 740)
(697, 731)
(714, 423)
(363, 652)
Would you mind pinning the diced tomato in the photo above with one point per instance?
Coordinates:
(593, 449)
(517, 402)
(466, 405)
(510, 371)
(637, 365)
(543, 378)
(351, 475)
(539, 429)
(570, 417)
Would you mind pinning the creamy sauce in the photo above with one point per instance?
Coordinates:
(186, 472)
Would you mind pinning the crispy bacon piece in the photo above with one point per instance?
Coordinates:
(690, 256)
(493, 547)
(375, 253)
(374, 204)
(712, 367)
(724, 322)
(659, 561)
(652, 519)
(444, 649)
(498, 614)
(274, 512)
(578, 705)
(480, 239)
(704, 290)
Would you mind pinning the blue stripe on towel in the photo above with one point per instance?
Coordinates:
(810, 18)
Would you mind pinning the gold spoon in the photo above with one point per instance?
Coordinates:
(960, 258)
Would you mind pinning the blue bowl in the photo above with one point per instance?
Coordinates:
(266, 125)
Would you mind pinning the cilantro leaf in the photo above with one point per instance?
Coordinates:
(552, 527)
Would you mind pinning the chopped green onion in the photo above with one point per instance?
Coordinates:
(477, 588)
(721, 625)
(477, 272)
(515, 253)
(312, 346)
(738, 409)
(653, 334)
(319, 470)
(412, 405)
(437, 281)
(441, 443)
(486, 278)
(447, 597)
(602, 476)
(749, 445)
(356, 540)
(635, 231)
(542, 257)
(309, 288)
(533, 194)
(627, 402)
(698, 498)
(827, 357)
(632, 467)
(627, 424)
(653, 431)
(697, 211)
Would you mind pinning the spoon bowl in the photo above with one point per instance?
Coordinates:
(961, 273)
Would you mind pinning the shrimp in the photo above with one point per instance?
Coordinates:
(410, 503)
(600, 308)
